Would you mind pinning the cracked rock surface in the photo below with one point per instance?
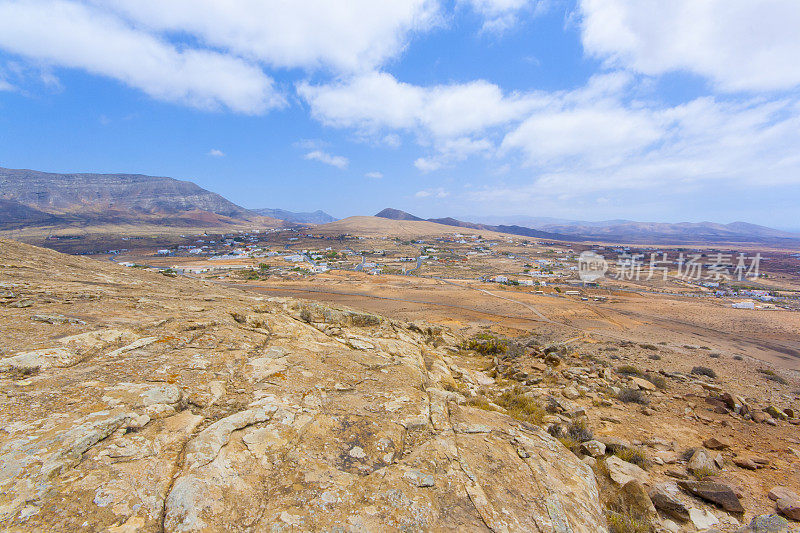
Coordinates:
(172, 404)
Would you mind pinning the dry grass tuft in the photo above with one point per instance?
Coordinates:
(521, 407)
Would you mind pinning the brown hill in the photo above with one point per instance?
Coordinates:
(387, 227)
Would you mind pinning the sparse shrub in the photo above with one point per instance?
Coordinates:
(627, 521)
(714, 355)
(456, 386)
(630, 370)
(657, 380)
(569, 443)
(766, 371)
(704, 371)
(654, 356)
(305, 315)
(648, 346)
(634, 456)
(521, 407)
(633, 396)
(579, 430)
(738, 358)
(485, 345)
(481, 403)
(601, 469)
(777, 379)
(704, 472)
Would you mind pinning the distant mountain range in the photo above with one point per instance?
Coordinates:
(317, 217)
(396, 214)
(31, 198)
(622, 231)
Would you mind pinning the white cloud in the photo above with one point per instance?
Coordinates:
(432, 193)
(377, 100)
(216, 153)
(593, 135)
(741, 45)
(750, 144)
(374, 175)
(68, 34)
(501, 15)
(451, 151)
(337, 161)
(453, 118)
(345, 36)
(426, 164)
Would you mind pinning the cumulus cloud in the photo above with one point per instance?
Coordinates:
(210, 54)
(454, 118)
(378, 100)
(345, 36)
(69, 34)
(589, 135)
(751, 144)
(432, 193)
(374, 175)
(500, 15)
(216, 153)
(740, 45)
(337, 161)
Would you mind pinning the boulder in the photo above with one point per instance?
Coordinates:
(717, 493)
(789, 507)
(778, 492)
(701, 462)
(775, 412)
(614, 443)
(643, 384)
(766, 523)
(746, 463)
(633, 496)
(593, 448)
(668, 504)
(716, 443)
(667, 457)
(760, 417)
(702, 518)
(622, 472)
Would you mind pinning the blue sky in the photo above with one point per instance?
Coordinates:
(585, 109)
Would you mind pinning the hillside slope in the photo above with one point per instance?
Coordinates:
(136, 402)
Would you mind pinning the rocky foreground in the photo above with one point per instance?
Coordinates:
(135, 402)
(132, 401)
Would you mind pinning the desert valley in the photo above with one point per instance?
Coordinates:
(387, 373)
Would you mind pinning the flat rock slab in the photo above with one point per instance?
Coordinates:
(717, 493)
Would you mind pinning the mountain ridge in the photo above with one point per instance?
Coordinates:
(45, 198)
(313, 217)
(619, 230)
